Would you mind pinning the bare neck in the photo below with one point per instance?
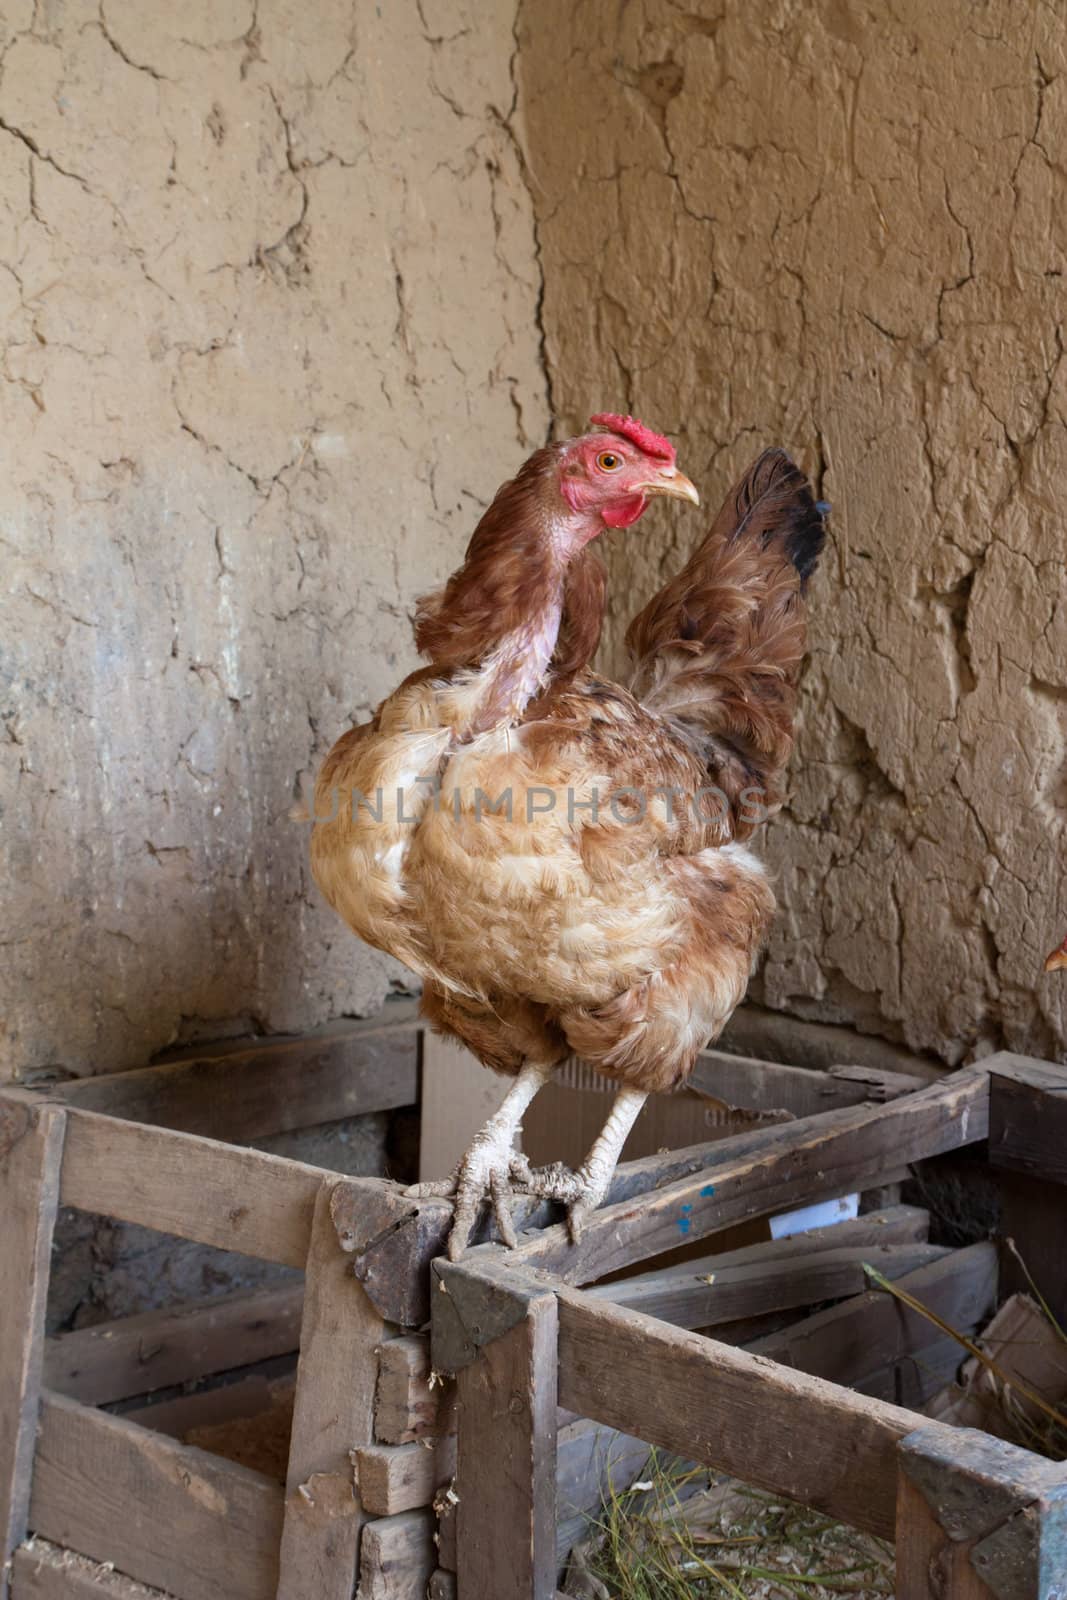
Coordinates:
(526, 604)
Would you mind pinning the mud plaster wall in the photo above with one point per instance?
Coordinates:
(842, 227)
(268, 292)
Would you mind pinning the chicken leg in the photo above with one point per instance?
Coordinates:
(584, 1190)
(490, 1165)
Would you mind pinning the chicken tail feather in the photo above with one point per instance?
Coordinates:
(718, 651)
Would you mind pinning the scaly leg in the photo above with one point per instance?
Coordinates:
(486, 1171)
(584, 1190)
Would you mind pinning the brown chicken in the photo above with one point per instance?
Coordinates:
(560, 858)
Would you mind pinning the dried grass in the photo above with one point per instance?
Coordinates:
(651, 1542)
(1024, 1416)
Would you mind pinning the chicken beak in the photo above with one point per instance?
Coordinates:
(673, 483)
(1057, 959)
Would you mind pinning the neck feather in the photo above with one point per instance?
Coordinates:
(525, 606)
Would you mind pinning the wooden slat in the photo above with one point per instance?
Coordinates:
(166, 1513)
(31, 1146)
(752, 1085)
(43, 1571)
(245, 1200)
(806, 1160)
(780, 1430)
(134, 1355)
(184, 1415)
(334, 1414)
(397, 1557)
(874, 1327)
(745, 1291)
(1028, 1117)
(506, 1482)
(273, 1087)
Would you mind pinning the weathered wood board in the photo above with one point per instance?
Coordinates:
(244, 1200)
(334, 1414)
(273, 1086)
(134, 1355)
(31, 1147)
(165, 1513)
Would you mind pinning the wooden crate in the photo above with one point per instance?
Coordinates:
(97, 1504)
(973, 1517)
(104, 1495)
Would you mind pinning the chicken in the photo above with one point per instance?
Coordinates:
(562, 859)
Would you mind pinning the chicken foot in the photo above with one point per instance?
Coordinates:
(582, 1191)
(490, 1165)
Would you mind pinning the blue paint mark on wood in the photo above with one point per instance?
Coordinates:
(707, 1191)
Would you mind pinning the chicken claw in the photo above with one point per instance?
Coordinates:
(581, 1192)
(484, 1174)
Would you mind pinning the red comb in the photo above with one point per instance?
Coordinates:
(653, 444)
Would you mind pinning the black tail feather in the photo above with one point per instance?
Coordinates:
(788, 510)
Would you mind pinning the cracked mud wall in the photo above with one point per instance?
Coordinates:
(841, 227)
(268, 290)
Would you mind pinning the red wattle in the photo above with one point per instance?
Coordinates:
(625, 512)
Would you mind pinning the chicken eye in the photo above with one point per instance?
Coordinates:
(608, 461)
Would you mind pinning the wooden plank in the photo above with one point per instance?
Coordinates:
(334, 1414)
(275, 1086)
(31, 1153)
(402, 1477)
(165, 1513)
(506, 1482)
(863, 1335)
(753, 1085)
(134, 1355)
(741, 1413)
(1028, 1117)
(397, 1557)
(737, 1292)
(179, 1416)
(774, 1275)
(890, 1224)
(810, 1159)
(43, 1571)
(244, 1200)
